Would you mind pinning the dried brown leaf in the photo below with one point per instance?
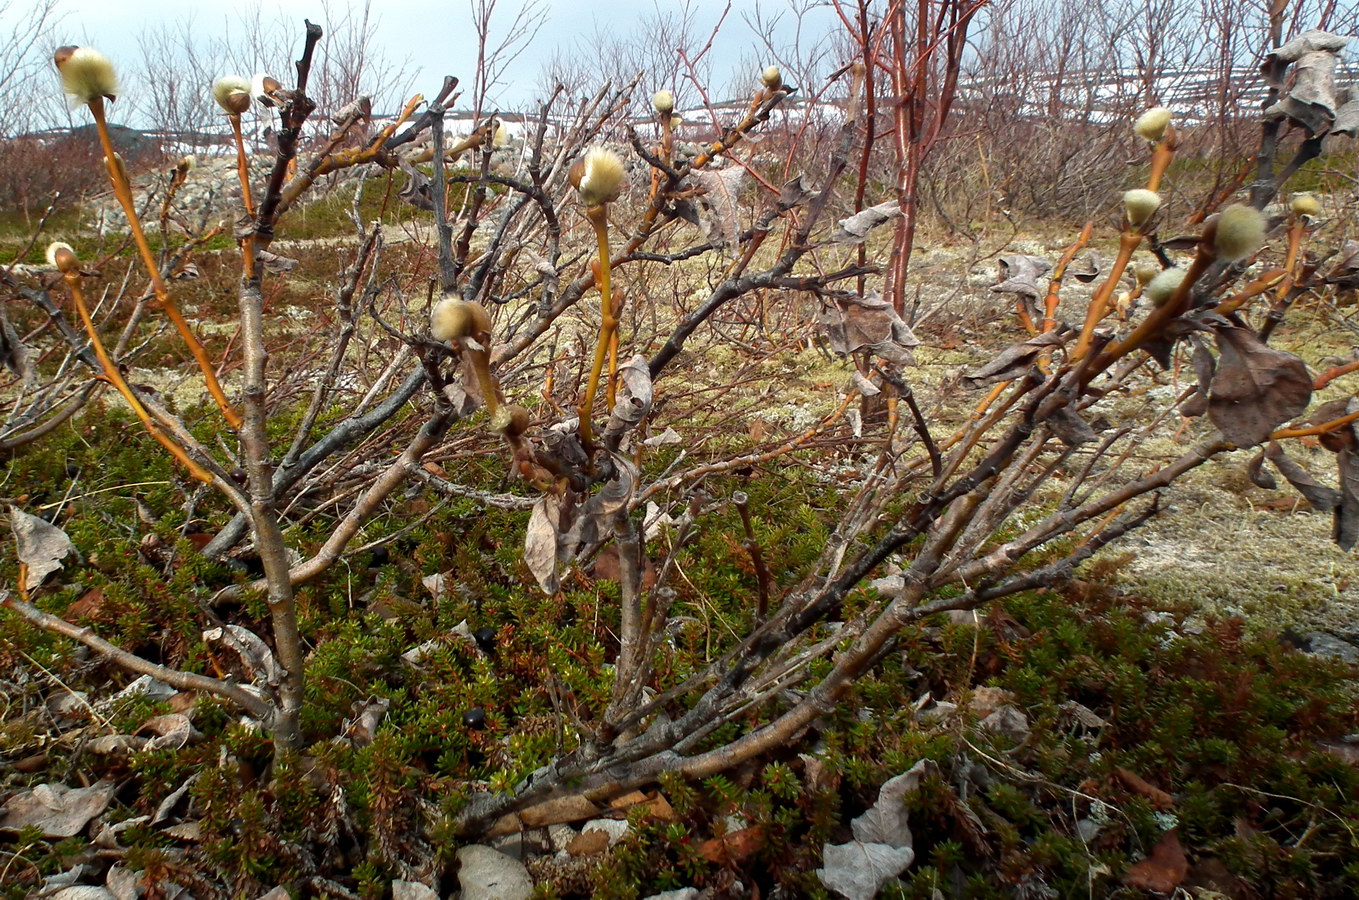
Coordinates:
(734, 847)
(1347, 510)
(718, 216)
(1256, 388)
(1310, 41)
(1139, 785)
(1088, 269)
(1310, 101)
(42, 545)
(1013, 361)
(55, 809)
(1162, 871)
(540, 541)
(855, 228)
(634, 398)
(1258, 476)
(852, 324)
(1321, 498)
(1019, 274)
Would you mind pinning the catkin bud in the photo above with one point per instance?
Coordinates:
(1145, 273)
(772, 78)
(187, 163)
(1163, 286)
(61, 256)
(1152, 124)
(86, 74)
(232, 93)
(453, 319)
(597, 176)
(1240, 232)
(663, 102)
(1140, 205)
(501, 136)
(510, 420)
(1306, 205)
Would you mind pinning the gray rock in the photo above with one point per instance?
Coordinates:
(1319, 643)
(1009, 722)
(681, 894)
(413, 890)
(486, 874)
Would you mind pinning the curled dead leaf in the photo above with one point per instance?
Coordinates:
(1255, 388)
(41, 545)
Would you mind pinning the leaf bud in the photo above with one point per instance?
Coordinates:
(1240, 232)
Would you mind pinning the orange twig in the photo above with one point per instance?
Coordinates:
(1099, 304)
(1330, 375)
(115, 378)
(1323, 428)
(123, 191)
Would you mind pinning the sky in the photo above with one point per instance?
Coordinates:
(434, 37)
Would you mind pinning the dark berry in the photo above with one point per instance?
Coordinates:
(474, 718)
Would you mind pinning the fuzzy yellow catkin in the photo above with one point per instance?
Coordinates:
(187, 163)
(1240, 232)
(1306, 205)
(61, 256)
(1152, 124)
(86, 74)
(598, 176)
(663, 102)
(452, 319)
(501, 136)
(232, 93)
(1163, 286)
(1140, 205)
(1145, 273)
(772, 78)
